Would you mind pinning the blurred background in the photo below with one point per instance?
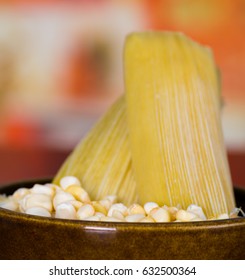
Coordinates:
(61, 68)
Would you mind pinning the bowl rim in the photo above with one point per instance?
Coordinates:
(100, 225)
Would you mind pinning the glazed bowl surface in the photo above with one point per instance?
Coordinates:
(31, 237)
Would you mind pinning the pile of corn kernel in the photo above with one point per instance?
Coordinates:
(70, 201)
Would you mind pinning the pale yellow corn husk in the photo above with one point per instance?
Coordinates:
(102, 161)
(173, 107)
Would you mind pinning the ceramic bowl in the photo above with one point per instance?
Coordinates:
(32, 237)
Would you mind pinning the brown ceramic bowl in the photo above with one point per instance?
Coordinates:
(31, 237)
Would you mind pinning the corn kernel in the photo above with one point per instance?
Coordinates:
(185, 216)
(67, 181)
(35, 200)
(99, 214)
(42, 189)
(62, 196)
(77, 204)
(223, 216)
(134, 218)
(147, 220)
(85, 211)
(92, 218)
(106, 203)
(65, 211)
(148, 206)
(20, 193)
(109, 219)
(197, 210)
(9, 204)
(111, 198)
(38, 211)
(117, 214)
(99, 208)
(136, 209)
(78, 192)
(117, 206)
(172, 211)
(160, 215)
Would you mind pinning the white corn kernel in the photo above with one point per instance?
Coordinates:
(20, 193)
(85, 211)
(105, 203)
(148, 206)
(136, 209)
(67, 181)
(147, 220)
(65, 211)
(77, 204)
(62, 196)
(109, 219)
(172, 211)
(223, 216)
(197, 210)
(134, 218)
(92, 218)
(99, 214)
(117, 206)
(51, 186)
(35, 200)
(37, 188)
(111, 198)
(78, 192)
(185, 216)
(160, 215)
(117, 214)
(54, 187)
(9, 204)
(99, 208)
(38, 211)
(70, 197)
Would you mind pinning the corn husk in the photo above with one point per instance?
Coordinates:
(102, 161)
(174, 119)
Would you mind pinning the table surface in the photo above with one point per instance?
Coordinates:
(34, 163)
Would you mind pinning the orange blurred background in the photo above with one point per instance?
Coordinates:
(61, 68)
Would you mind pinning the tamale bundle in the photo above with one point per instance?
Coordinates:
(173, 109)
(102, 161)
(163, 140)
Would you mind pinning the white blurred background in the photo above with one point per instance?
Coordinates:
(61, 68)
